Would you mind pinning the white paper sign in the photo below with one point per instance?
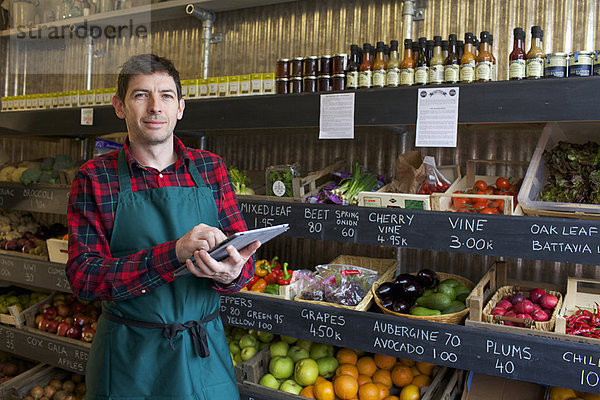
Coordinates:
(337, 116)
(87, 116)
(437, 117)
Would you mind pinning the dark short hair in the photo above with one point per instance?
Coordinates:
(146, 64)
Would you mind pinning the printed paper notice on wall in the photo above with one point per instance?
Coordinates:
(437, 117)
(87, 116)
(336, 119)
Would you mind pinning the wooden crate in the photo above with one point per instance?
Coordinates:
(443, 201)
(17, 318)
(446, 382)
(385, 268)
(302, 187)
(6, 388)
(585, 298)
(386, 198)
(497, 278)
(41, 377)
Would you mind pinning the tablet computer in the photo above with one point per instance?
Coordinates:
(240, 240)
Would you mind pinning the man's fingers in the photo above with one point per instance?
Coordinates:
(247, 251)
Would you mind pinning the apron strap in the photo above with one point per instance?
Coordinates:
(170, 331)
(125, 180)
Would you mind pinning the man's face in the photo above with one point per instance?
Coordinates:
(150, 108)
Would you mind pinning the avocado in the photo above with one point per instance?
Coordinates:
(427, 292)
(447, 290)
(437, 301)
(455, 306)
(451, 281)
(424, 311)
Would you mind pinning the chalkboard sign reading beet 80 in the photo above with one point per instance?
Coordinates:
(569, 240)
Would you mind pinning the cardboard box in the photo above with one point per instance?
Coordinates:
(98, 96)
(268, 83)
(203, 87)
(223, 86)
(192, 88)
(108, 95)
(245, 84)
(256, 84)
(58, 250)
(234, 85)
(213, 87)
(485, 387)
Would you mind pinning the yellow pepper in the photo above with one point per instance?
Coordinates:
(262, 268)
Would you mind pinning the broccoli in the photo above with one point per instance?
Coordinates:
(31, 175)
(62, 161)
(48, 163)
(47, 177)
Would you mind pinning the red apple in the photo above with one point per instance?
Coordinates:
(88, 335)
(517, 298)
(498, 311)
(62, 310)
(524, 316)
(77, 307)
(74, 332)
(507, 297)
(537, 307)
(49, 312)
(548, 311)
(507, 305)
(527, 306)
(535, 295)
(43, 325)
(62, 329)
(43, 307)
(52, 326)
(548, 301)
(38, 318)
(80, 320)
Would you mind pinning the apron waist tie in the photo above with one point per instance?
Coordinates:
(170, 331)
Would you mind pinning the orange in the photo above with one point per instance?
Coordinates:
(308, 391)
(319, 379)
(391, 398)
(402, 376)
(415, 371)
(384, 361)
(410, 392)
(369, 391)
(407, 362)
(558, 393)
(590, 396)
(383, 376)
(384, 391)
(345, 386)
(347, 369)
(346, 356)
(324, 390)
(421, 381)
(362, 379)
(366, 366)
(425, 368)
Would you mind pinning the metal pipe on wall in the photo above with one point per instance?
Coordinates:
(408, 13)
(89, 43)
(208, 18)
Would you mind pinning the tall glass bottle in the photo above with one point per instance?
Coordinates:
(365, 79)
(460, 48)
(436, 64)
(353, 68)
(484, 61)
(429, 54)
(445, 49)
(516, 59)
(535, 55)
(452, 62)
(407, 67)
(379, 66)
(467, 61)
(422, 68)
(393, 66)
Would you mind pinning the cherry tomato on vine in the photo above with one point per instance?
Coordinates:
(460, 201)
(489, 210)
(502, 183)
(481, 185)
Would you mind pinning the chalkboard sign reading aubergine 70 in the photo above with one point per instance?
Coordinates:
(569, 240)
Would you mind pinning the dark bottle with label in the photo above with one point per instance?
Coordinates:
(379, 66)
(484, 67)
(386, 53)
(407, 67)
(353, 68)
(393, 66)
(365, 79)
(429, 45)
(460, 48)
(535, 56)
(452, 62)
(422, 68)
(444, 49)
(516, 67)
(467, 61)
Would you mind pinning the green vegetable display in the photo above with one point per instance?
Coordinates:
(279, 180)
(31, 175)
(573, 173)
(239, 179)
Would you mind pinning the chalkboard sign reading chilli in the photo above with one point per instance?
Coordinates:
(538, 238)
(515, 356)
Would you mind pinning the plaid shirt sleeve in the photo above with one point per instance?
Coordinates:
(93, 273)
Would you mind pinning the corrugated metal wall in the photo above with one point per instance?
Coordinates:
(255, 38)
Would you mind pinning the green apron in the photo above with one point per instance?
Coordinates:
(128, 362)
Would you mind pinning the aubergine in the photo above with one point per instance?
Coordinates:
(411, 290)
(402, 306)
(427, 278)
(388, 303)
(405, 278)
(386, 290)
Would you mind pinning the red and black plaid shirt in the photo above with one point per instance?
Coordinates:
(92, 271)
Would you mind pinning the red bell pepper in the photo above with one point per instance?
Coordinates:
(286, 276)
(252, 281)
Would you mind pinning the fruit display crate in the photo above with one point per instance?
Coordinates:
(536, 176)
(386, 198)
(7, 386)
(492, 287)
(445, 384)
(40, 378)
(386, 268)
(444, 201)
(15, 317)
(582, 294)
(58, 250)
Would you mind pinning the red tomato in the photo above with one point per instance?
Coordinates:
(489, 210)
(480, 204)
(481, 185)
(459, 201)
(502, 183)
(499, 204)
(513, 188)
(465, 208)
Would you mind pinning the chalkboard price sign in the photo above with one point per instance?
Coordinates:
(35, 198)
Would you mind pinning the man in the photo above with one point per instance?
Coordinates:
(135, 216)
